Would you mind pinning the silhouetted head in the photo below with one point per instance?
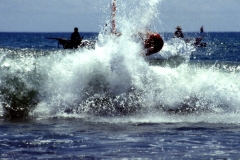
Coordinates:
(179, 28)
(75, 29)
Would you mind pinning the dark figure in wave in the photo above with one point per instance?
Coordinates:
(197, 42)
(76, 39)
(178, 33)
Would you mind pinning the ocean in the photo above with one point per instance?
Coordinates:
(112, 102)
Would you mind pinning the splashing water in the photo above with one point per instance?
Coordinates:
(115, 80)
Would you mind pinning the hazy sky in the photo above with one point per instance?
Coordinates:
(89, 15)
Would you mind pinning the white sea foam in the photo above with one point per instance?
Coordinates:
(117, 74)
(117, 62)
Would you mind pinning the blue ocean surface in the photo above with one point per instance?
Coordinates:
(111, 102)
(37, 40)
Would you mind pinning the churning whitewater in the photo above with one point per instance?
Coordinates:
(116, 81)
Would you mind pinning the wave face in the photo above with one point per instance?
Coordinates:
(114, 81)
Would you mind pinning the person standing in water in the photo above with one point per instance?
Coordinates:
(76, 39)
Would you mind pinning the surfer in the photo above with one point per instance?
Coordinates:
(153, 42)
(199, 39)
(196, 41)
(76, 39)
(178, 33)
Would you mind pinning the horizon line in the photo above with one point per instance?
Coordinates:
(96, 31)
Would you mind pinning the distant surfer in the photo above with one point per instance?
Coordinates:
(196, 41)
(76, 39)
(178, 33)
(199, 39)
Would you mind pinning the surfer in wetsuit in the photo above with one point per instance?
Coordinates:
(178, 33)
(76, 38)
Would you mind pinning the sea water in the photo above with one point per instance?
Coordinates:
(113, 102)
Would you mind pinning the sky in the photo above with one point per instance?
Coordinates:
(90, 15)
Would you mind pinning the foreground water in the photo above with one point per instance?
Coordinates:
(76, 138)
(113, 102)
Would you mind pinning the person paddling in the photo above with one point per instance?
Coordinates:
(178, 33)
(199, 39)
(196, 41)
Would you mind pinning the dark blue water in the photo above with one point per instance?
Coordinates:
(76, 139)
(221, 47)
(111, 102)
(37, 40)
